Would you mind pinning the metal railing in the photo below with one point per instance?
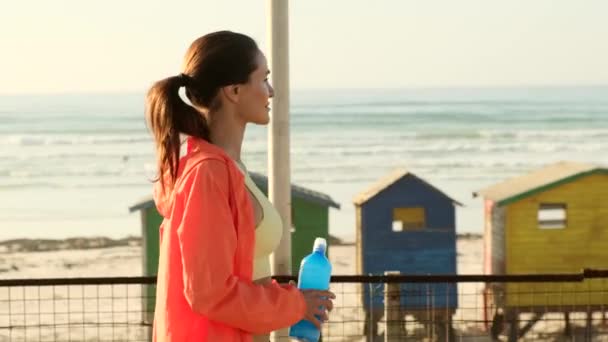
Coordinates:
(391, 307)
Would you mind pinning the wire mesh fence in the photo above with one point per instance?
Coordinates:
(564, 307)
(86, 309)
(391, 307)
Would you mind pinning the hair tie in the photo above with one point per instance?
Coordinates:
(184, 79)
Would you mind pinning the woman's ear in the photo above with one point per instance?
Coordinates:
(231, 93)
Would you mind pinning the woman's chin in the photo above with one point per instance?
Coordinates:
(262, 120)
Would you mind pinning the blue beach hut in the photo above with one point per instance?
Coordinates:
(405, 224)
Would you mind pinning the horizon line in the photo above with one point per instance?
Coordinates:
(305, 89)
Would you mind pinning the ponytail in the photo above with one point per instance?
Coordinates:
(168, 116)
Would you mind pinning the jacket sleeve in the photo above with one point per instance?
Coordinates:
(208, 239)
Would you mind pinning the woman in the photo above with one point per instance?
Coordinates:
(206, 290)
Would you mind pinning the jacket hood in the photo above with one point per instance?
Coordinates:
(198, 150)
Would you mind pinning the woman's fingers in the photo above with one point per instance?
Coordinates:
(314, 320)
(320, 303)
(321, 293)
(325, 299)
(328, 304)
(327, 294)
(322, 314)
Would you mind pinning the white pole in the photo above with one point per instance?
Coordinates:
(279, 180)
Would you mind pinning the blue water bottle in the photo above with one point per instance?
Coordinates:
(315, 273)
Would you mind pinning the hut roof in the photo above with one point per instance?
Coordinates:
(300, 192)
(517, 188)
(388, 180)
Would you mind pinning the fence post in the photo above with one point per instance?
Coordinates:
(392, 310)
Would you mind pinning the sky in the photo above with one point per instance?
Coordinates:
(75, 46)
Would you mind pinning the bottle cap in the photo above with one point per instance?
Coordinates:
(320, 245)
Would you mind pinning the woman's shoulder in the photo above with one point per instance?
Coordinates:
(208, 164)
(212, 167)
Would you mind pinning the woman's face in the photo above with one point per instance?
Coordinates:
(254, 96)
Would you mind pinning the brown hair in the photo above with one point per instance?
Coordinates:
(213, 61)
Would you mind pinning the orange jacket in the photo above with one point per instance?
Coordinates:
(204, 290)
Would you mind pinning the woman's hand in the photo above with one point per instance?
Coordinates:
(318, 303)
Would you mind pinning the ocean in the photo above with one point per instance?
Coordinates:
(71, 165)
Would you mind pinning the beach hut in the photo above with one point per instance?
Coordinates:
(150, 222)
(405, 224)
(310, 218)
(552, 220)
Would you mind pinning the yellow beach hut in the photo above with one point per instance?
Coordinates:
(552, 220)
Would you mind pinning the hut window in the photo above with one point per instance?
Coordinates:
(405, 219)
(552, 216)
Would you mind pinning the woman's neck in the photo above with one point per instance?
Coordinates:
(227, 133)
